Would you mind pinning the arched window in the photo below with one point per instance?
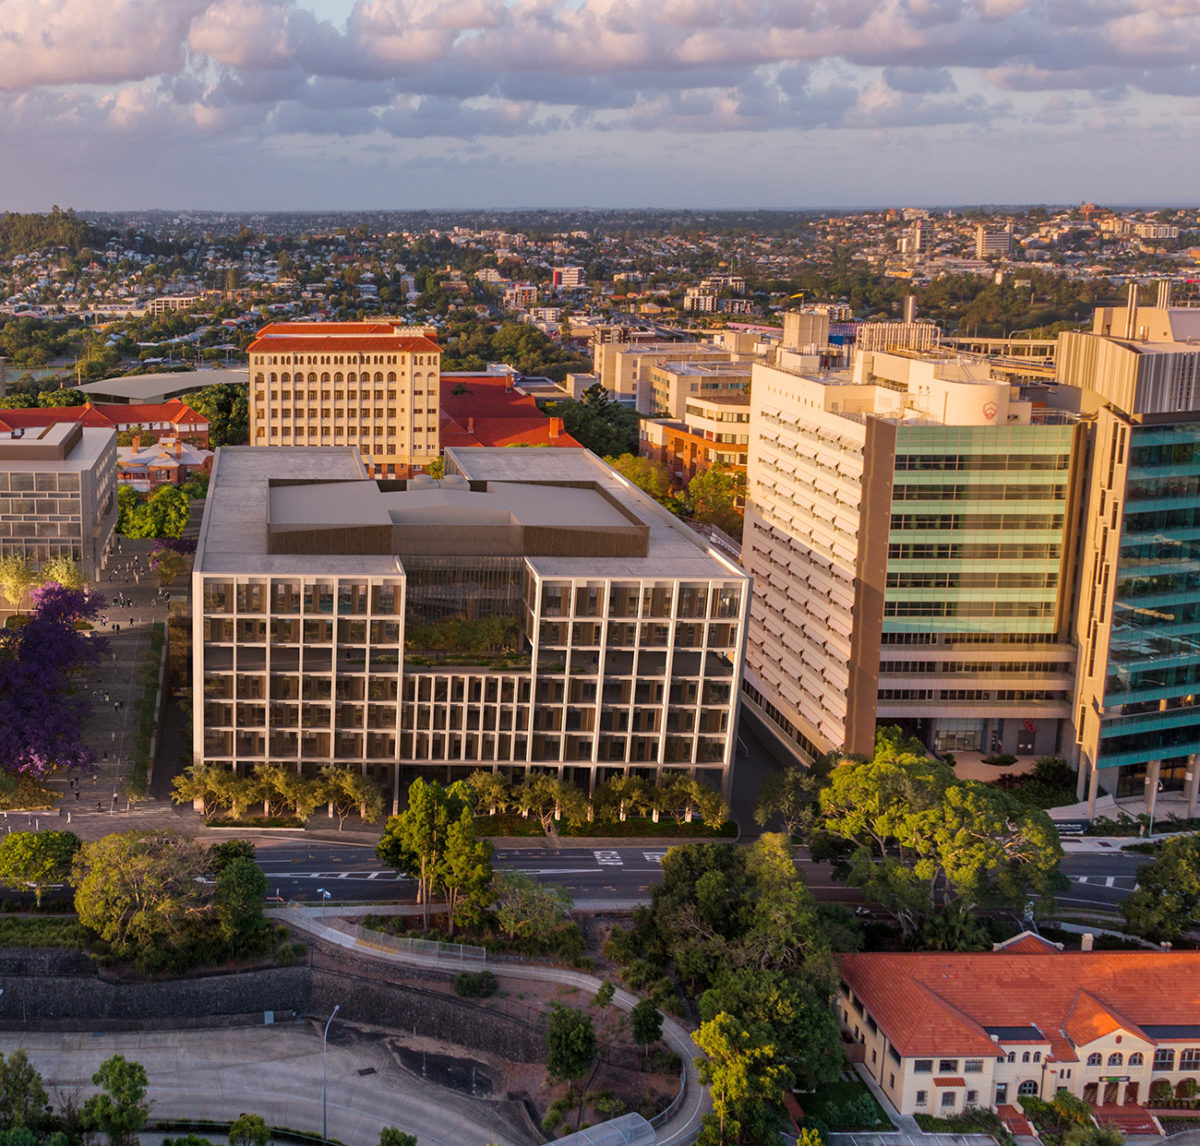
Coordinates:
(1136, 1059)
(1025, 1057)
(391, 376)
(351, 377)
(324, 375)
(273, 376)
(1116, 1059)
(285, 377)
(1012, 1056)
(337, 376)
(1094, 1060)
(1028, 1087)
(312, 377)
(258, 379)
(378, 375)
(1037, 1056)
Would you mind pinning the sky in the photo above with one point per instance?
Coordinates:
(258, 105)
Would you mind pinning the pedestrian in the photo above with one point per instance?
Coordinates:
(77, 795)
(98, 807)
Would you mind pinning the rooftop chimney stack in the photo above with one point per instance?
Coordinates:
(1164, 294)
(910, 308)
(1131, 309)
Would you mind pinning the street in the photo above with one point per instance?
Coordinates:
(298, 870)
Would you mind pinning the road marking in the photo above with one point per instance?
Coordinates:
(654, 857)
(609, 858)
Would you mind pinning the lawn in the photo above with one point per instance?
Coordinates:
(24, 931)
(844, 1106)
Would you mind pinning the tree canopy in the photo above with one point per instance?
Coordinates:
(599, 424)
(1167, 900)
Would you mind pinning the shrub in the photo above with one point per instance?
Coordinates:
(475, 984)
(1000, 760)
(604, 995)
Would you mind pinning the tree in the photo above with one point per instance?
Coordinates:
(647, 1021)
(570, 1047)
(544, 796)
(22, 1093)
(41, 712)
(713, 497)
(249, 1130)
(164, 513)
(65, 571)
(1093, 1135)
(16, 579)
(138, 890)
(414, 842)
(347, 791)
(605, 427)
(789, 795)
(1167, 900)
(491, 789)
(649, 476)
(36, 859)
(238, 902)
(391, 1136)
(526, 907)
(743, 1071)
(227, 408)
(121, 1109)
(465, 873)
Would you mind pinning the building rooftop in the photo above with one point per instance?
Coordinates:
(934, 1003)
(160, 387)
(312, 510)
(62, 446)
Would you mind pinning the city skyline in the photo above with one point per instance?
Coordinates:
(403, 104)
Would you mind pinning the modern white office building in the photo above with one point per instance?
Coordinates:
(533, 610)
(58, 494)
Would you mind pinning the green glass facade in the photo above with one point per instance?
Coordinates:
(976, 533)
(1151, 690)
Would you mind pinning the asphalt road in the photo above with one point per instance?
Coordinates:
(351, 872)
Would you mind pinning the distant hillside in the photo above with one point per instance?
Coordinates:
(22, 234)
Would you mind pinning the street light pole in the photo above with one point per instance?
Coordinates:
(325, 1078)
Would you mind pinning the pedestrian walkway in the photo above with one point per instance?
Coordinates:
(684, 1124)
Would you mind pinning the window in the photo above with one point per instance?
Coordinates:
(947, 1066)
(947, 1099)
(922, 1066)
(972, 1098)
(891, 1081)
(922, 1098)
(1189, 1059)
(1116, 1059)
(1094, 1060)
(894, 1055)
(1012, 1056)
(1037, 1056)
(973, 1066)
(1164, 1058)
(1028, 1087)
(1137, 1059)
(1025, 1057)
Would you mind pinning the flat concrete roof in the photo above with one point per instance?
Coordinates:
(92, 442)
(532, 486)
(159, 387)
(503, 503)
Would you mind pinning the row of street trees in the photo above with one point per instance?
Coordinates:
(279, 789)
(17, 577)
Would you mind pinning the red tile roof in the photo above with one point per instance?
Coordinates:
(1028, 944)
(932, 1003)
(339, 337)
(949, 1082)
(105, 416)
(492, 413)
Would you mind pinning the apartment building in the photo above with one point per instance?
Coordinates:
(672, 385)
(942, 1032)
(58, 494)
(533, 610)
(907, 531)
(624, 368)
(713, 430)
(369, 385)
(992, 242)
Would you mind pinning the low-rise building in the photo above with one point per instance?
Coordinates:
(58, 494)
(165, 461)
(940, 1032)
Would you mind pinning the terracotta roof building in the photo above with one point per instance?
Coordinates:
(486, 410)
(370, 385)
(158, 419)
(940, 1032)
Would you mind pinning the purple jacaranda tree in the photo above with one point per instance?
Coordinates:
(41, 715)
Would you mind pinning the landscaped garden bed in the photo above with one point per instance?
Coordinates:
(844, 1105)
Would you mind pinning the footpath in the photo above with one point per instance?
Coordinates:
(679, 1129)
